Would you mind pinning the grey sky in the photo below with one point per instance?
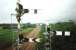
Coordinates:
(51, 10)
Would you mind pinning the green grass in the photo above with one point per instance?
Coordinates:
(27, 30)
(7, 36)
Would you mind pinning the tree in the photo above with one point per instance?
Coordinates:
(64, 26)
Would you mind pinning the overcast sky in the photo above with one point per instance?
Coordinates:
(48, 11)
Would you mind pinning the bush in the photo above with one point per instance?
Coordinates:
(40, 45)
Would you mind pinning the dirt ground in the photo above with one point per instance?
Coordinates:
(29, 45)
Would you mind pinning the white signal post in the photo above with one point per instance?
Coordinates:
(38, 40)
(30, 40)
(67, 33)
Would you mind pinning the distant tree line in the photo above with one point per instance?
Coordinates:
(28, 25)
(14, 26)
(8, 26)
(63, 26)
